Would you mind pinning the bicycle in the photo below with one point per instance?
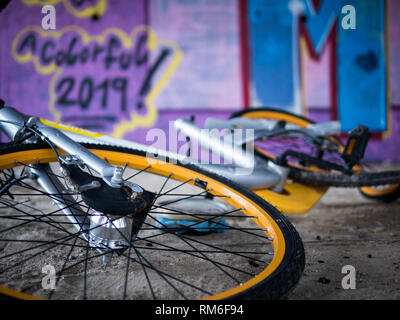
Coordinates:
(374, 185)
(307, 156)
(90, 206)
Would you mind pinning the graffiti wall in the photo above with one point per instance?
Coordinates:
(313, 28)
(123, 67)
(101, 71)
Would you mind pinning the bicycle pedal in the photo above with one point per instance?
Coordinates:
(356, 145)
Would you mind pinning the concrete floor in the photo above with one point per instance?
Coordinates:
(346, 229)
(343, 229)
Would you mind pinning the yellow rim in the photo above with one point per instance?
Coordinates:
(373, 192)
(17, 295)
(236, 199)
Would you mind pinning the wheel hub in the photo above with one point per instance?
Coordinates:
(110, 233)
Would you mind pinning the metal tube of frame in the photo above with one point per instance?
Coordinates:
(65, 202)
(236, 154)
(73, 148)
(11, 121)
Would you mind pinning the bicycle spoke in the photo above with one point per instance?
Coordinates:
(137, 173)
(38, 218)
(85, 272)
(162, 187)
(182, 237)
(127, 267)
(178, 186)
(145, 272)
(68, 256)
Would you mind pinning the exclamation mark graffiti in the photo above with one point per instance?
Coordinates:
(146, 85)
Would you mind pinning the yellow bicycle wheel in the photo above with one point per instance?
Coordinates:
(254, 252)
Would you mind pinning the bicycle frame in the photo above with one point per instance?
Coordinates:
(288, 196)
(17, 122)
(15, 125)
(264, 178)
(250, 172)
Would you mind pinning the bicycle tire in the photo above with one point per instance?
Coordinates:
(278, 278)
(310, 175)
(368, 179)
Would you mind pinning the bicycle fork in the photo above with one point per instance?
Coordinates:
(95, 225)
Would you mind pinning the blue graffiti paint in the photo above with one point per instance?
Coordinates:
(319, 23)
(274, 74)
(362, 69)
(361, 77)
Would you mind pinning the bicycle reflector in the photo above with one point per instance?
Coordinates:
(356, 145)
